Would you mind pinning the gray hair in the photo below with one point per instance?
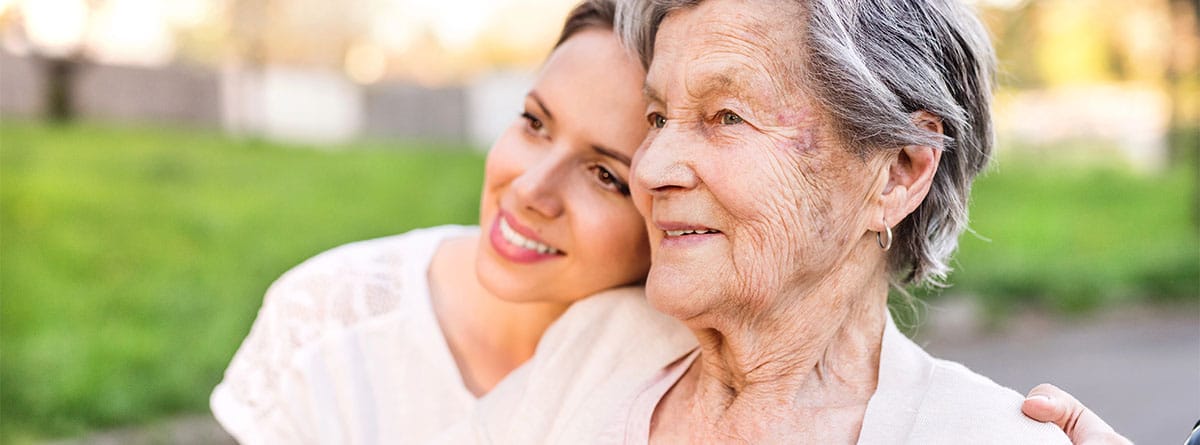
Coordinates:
(870, 64)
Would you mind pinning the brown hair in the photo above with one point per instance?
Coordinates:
(588, 14)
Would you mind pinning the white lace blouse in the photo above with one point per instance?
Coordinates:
(346, 349)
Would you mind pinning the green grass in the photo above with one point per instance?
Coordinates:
(133, 260)
(1074, 239)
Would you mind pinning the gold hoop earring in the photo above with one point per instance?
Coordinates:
(885, 245)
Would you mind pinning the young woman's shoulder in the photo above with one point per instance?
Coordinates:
(587, 365)
(321, 297)
(359, 280)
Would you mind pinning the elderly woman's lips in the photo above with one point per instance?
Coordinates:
(690, 232)
(687, 238)
(672, 228)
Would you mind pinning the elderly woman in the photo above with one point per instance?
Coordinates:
(802, 157)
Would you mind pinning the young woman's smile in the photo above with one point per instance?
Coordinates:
(556, 207)
(517, 243)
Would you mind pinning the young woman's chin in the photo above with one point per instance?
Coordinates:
(516, 281)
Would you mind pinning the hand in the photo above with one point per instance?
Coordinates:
(1047, 403)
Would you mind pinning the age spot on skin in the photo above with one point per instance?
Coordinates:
(801, 143)
(788, 118)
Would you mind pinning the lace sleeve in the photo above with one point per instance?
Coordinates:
(262, 397)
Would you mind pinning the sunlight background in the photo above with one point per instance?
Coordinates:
(163, 161)
(1116, 70)
(452, 39)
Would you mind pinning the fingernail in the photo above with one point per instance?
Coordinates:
(1039, 397)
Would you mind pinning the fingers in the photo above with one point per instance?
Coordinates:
(1048, 403)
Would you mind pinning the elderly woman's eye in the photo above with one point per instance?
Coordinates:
(729, 118)
(656, 120)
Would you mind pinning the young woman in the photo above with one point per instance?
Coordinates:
(392, 340)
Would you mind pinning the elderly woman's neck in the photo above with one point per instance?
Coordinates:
(821, 351)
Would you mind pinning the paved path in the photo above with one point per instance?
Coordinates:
(1139, 369)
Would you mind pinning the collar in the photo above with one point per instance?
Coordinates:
(905, 372)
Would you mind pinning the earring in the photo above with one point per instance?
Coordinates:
(885, 245)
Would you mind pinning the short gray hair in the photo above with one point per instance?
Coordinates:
(870, 64)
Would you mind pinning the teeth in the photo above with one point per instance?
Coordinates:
(516, 239)
(688, 232)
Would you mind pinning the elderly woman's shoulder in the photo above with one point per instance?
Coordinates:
(603, 306)
(588, 364)
(614, 317)
(974, 409)
(611, 335)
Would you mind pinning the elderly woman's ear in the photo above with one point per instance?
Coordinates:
(910, 172)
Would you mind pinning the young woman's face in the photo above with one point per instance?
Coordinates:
(558, 223)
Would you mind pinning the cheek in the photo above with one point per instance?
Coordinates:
(789, 211)
(638, 193)
(773, 198)
(641, 201)
(488, 197)
(503, 160)
(616, 243)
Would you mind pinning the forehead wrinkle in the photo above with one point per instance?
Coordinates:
(744, 60)
(752, 58)
(702, 83)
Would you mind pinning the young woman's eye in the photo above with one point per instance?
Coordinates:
(729, 118)
(610, 180)
(656, 120)
(533, 124)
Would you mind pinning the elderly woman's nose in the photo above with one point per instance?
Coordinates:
(538, 188)
(662, 166)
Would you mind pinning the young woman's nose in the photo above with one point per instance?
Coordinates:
(539, 187)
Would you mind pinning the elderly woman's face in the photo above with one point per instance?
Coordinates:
(746, 194)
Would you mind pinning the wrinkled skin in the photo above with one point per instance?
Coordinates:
(784, 285)
(742, 150)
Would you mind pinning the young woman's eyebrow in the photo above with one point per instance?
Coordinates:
(612, 154)
(538, 100)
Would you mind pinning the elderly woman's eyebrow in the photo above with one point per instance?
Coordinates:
(538, 100)
(651, 94)
(708, 85)
(723, 83)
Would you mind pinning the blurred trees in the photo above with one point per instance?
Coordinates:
(1049, 43)
(59, 50)
(1041, 43)
(1144, 43)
